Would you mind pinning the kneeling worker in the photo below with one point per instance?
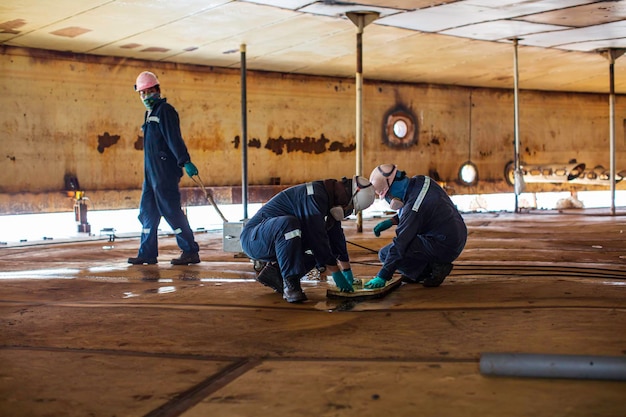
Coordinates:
(431, 232)
(300, 229)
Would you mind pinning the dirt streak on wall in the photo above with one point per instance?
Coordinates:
(79, 115)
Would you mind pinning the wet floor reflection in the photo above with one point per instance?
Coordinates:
(166, 289)
(225, 280)
(130, 294)
(150, 274)
(61, 273)
(332, 305)
(188, 276)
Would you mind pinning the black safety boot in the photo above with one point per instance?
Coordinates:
(440, 272)
(426, 273)
(270, 277)
(141, 261)
(187, 258)
(292, 291)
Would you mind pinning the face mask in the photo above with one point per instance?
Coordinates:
(396, 204)
(150, 100)
(337, 213)
(397, 188)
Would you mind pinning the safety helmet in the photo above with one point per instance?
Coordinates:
(146, 80)
(363, 194)
(382, 177)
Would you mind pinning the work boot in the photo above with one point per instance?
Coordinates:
(440, 272)
(426, 273)
(270, 277)
(187, 258)
(292, 291)
(141, 261)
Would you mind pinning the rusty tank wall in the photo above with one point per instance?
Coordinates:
(67, 114)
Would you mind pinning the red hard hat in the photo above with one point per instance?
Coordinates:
(146, 80)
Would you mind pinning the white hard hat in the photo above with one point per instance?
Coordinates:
(382, 177)
(146, 80)
(363, 194)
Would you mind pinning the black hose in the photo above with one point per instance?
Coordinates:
(362, 247)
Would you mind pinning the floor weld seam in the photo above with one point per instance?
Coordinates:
(188, 399)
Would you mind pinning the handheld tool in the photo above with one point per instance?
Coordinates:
(196, 178)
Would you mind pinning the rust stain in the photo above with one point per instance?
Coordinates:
(306, 145)
(130, 45)
(155, 49)
(107, 140)
(11, 158)
(10, 26)
(340, 147)
(139, 143)
(252, 143)
(70, 32)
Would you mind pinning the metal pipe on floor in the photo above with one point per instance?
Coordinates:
(554, 366)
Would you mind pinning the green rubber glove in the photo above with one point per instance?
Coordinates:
(384, 225)
(341, 282)
(377, 282)
(191, 169)
(347, 273)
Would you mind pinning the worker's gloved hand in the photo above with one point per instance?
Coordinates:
(347, 273)
(191, 169)
(341, 282)
(377, 282)
(384, 225)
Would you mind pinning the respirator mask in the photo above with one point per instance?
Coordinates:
(395, 203)
(363, 195)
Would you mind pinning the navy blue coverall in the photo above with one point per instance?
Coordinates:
(296, 220)
(165, 153)
(430, 230)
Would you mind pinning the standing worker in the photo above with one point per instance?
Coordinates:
(431, 232)
(300, 229)
(165, 154)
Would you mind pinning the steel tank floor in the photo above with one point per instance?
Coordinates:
(83, 333)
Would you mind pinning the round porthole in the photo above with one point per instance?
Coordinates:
(468, 173)
(400, 128)
(509, 173)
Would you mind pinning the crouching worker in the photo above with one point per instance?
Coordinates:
(430, 231)
(300, 229)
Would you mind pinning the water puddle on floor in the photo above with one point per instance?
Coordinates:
(332, 305)
(196, 282)
(166, 289)
(130, 295)
(61, 273)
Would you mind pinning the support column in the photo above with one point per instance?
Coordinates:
(612, 55)
(360, 19)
